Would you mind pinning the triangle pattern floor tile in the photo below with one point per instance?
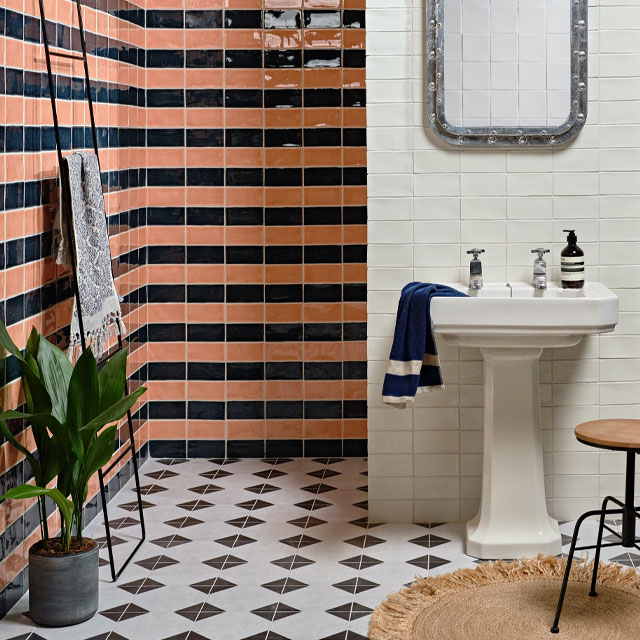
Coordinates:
(429, 541)
(199, 611)
(285, 585)
(319, 488)
(224, 562)
(262, 488)
(356, 585)
(109, 635)
(195, 505)
(254, 505)
(133, 506)
(360, 562)
(122, 523)
(165, 473)
(306, 522)
(245, 521)
(205, 489)
(149, 489)
(156, 562)
(428, 562)
(102, 541)
(171, 541)
(140, 586)
(216, 473)
(275, 611)
(364, 541)
(312, 505)
(323, 473)
(223, 461)
(235, 541)
(213, 586)
(266, 635)
(270, 473)
(292, 562)
(300, 541)
(185, 521)
(349, 635)
(124, 612)
(169, 462)
(187, 635)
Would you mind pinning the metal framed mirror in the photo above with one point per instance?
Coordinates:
(506, 72)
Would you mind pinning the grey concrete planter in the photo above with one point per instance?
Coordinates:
(63, 590)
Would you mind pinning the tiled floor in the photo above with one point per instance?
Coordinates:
(256, 549)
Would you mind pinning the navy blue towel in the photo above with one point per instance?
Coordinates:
(413, 364)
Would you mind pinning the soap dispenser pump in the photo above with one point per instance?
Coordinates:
(572, 263)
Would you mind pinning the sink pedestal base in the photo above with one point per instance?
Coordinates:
(512, 521)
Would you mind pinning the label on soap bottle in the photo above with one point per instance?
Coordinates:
(572, 269)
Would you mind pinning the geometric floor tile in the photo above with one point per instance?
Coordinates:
(364, 541)
(199, 611)
(152, 488)
(235, 541)
(284, 585)
(429, 541)
(306, 522)
(140, 586)
(194, 505)
(157, 562)
(224, 562)
(171, 541)
(245, 521)
(185, 635)
(428, 562)
(213, 586)
(350, 611)
(181, 523)
(275, 611)
(297, 542)
(356, 585)
(124, 612)
(360, 562)
(258, 570)
(292, 562)
(102, 542)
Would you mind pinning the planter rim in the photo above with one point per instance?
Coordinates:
(94, 549)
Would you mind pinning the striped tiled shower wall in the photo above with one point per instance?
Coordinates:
(256, 228)
(233, 157)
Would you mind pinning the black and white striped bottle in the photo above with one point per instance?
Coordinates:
(572, 263)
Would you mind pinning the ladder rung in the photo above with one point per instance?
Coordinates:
(66, 55)
(115, 462)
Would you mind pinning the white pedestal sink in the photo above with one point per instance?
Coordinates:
(512, 324)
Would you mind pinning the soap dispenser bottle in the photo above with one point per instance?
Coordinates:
(572, 263)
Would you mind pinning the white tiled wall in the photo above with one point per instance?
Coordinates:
(507, 63)
(428, 204)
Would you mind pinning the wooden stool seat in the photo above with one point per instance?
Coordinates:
(610, 434)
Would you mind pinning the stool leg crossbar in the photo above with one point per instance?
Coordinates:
(627, 537)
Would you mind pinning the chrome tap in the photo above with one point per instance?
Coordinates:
(475, 270)
(540, 269)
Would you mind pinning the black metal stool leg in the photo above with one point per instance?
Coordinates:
(565, 580)
(629, 515)
(596, 560)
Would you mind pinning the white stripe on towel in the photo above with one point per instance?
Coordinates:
(411, 367)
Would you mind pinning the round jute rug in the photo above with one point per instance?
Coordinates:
(513, 601)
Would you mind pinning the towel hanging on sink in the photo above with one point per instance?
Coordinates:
(90, 238)
(414, 366)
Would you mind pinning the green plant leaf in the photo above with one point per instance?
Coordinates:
(112, 378)
(114, 412)
(8, 343)
(55, 372)
(83, 397)
(35, 466)
(29, 491)
(37, 396)
(99, 453)
(33, 343)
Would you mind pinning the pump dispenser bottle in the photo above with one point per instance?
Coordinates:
(572, 263)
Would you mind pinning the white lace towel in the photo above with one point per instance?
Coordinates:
(98, 298)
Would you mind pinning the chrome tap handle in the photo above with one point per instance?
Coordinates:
(540, 251)
(475, 252)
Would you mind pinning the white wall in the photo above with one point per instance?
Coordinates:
(428, 204)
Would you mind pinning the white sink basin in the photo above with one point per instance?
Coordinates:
(512, 324)
(517, 315)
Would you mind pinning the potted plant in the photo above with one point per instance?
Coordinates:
(69, 408)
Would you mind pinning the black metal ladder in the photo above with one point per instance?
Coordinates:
(66, 204)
